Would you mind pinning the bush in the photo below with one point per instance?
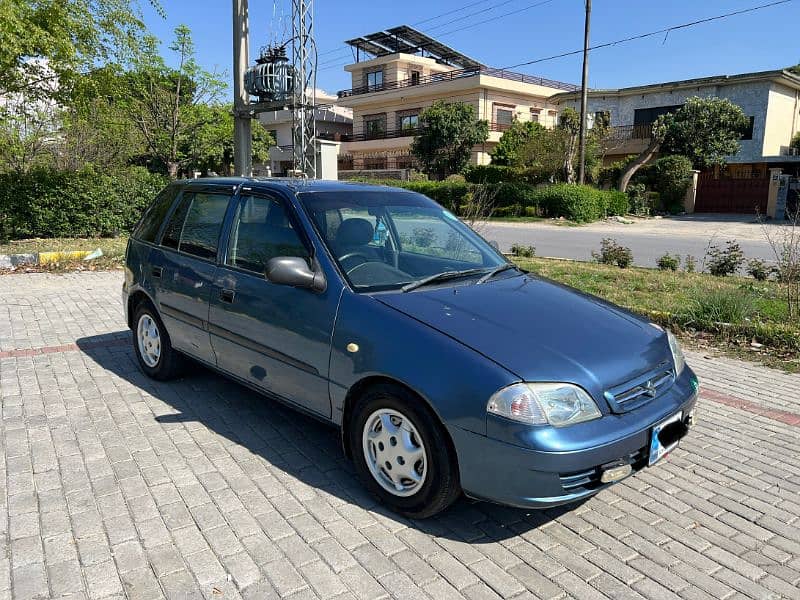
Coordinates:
(611, 253)
(758, 269)
(689, 263)
(639, 200)
(523, 251)
(88, 203)
(722, 306)
(671, 177)
(581, 203)
(669, 262)
(489, 174)
(724, 261)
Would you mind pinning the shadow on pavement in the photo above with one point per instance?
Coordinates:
(292, 444)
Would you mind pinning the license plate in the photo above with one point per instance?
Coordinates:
(657, 449)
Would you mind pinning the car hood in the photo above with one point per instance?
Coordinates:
(541, 330)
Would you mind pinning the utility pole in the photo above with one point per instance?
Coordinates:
(584, 97)
(242, 138)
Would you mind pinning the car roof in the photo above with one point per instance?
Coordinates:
(292, 184)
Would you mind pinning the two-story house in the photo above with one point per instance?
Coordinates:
(771, 100)
(401, 71)
(333, 123)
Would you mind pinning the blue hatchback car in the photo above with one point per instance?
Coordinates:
(447, 368)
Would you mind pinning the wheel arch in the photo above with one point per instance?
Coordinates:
(366, 383)
(134, 300)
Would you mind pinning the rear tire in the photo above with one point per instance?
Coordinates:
(152, 345)
(401, 452)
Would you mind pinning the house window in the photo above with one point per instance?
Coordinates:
(374, 79)
(415, 75)
(602, 118)
(273, 133)
(408, 122)
(643, 119)
(747, 134)
(535, 114)
(375, 126)
(503, 117)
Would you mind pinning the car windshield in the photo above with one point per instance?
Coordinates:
(386, 239)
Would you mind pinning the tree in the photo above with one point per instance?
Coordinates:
(705, 130)
(211, 146)
(553, 152)
(513, 140)
(449, 132)
(47, 44)
(163, 102)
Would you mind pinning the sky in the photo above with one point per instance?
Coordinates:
(762, 40)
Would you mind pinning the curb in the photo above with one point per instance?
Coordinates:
(10, 261)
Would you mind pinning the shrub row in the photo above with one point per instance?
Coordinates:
(86, 203)
(511, 199)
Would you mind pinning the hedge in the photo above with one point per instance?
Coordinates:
(581, 203)
(511, 199)
(88, 203)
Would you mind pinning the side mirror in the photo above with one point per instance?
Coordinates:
(494, 244)
(294, 271)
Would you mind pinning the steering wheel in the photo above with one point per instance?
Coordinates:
(350, 255)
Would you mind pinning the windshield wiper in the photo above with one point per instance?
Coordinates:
(495, 271)
(439, 277)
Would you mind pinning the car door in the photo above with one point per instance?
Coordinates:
(272, 336)
(182, 268)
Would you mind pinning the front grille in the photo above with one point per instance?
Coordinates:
(641, 390)
(589, 479)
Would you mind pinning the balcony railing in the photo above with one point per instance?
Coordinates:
(624, 133)
(397, 133)
(458, 74)
(379, 135)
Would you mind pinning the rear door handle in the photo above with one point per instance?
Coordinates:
(227, 295)
(157, 272)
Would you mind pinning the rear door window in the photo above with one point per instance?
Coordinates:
(196, 223)
(148, 227)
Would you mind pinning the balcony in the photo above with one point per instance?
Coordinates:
(379, 135)
(458, 74)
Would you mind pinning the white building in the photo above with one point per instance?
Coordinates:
(332, 122)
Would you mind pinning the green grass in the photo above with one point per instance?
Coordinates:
(111, 247)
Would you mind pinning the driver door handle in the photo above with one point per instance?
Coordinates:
(227, 295)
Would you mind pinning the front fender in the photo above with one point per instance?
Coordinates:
(455, 380)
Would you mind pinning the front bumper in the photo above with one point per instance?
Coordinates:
(510, 474)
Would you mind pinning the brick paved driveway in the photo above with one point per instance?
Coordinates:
(118, 486)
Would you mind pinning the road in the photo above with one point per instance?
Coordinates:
(647, 242)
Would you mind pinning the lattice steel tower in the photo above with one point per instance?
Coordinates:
(304, 59)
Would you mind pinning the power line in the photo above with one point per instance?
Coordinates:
(325, 66)
(640, 36)
(461, 18)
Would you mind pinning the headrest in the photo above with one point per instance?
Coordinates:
(354, 232)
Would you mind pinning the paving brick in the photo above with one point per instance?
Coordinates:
(109, 494)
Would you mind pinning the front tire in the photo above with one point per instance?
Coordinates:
(152, 345)
(401, 452)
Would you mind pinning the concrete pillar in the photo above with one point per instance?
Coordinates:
(772, 194)
(242, 136)
(691, 193)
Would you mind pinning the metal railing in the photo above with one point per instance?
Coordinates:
(624, 133)
(458, 74)
(379, 135)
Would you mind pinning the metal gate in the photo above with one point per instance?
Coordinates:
(728, 195)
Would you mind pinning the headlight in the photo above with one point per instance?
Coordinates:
(559, 404)
(677, 354)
